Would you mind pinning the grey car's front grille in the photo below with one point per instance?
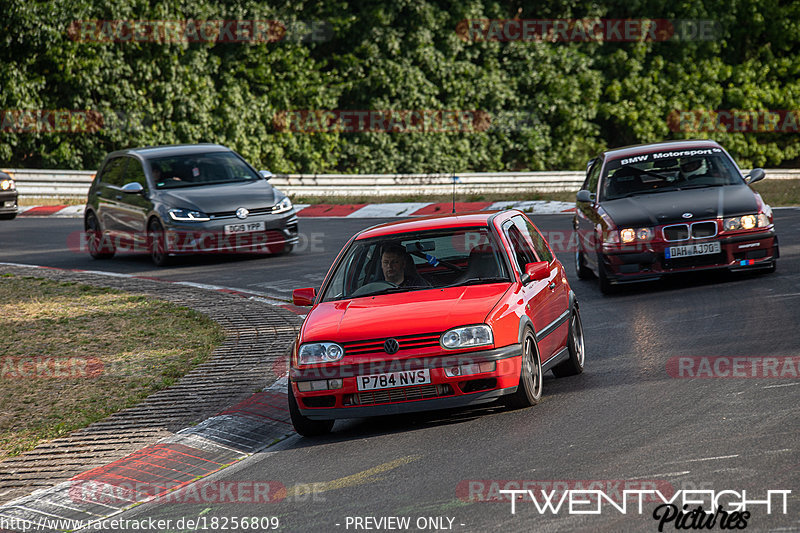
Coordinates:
(232, 214)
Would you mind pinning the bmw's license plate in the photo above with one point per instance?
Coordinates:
(394, 379)
(705, 248)
(245, 227)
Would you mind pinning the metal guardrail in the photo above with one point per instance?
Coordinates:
(75, 183)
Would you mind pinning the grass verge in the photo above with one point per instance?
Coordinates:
(779, 193)
(73, 354)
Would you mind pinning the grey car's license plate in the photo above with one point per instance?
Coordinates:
(245, 227)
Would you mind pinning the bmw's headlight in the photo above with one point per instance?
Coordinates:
(187, 215)
(467, 337)
(746, 222)
(7, 185)
(319, 352)
(281, 207)
(635, 234)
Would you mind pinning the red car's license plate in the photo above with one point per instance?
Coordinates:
(394, 379)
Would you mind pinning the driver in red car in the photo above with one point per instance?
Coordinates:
(398, 267)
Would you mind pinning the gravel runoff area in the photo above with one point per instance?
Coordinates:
(257, 339)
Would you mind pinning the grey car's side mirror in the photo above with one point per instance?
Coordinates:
(266, 174)
(133, 188)
(584, 196)
(757, 174)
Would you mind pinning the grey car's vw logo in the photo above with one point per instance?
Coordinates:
(687, 215)
(391, 346)
(242, 213)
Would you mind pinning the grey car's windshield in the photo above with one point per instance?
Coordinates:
(667, 171)
(417, 261)
(200, 169)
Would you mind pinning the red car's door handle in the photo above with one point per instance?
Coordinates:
(552, 285)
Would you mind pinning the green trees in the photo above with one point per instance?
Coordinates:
(536, 105)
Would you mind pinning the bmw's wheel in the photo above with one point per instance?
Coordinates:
(529, 391)
(573, 365)
(582, 271)
(304, 425)
(94, 236)
(158, 244)
(606, 287)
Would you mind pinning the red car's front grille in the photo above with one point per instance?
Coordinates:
(408, 342)
(402, 394)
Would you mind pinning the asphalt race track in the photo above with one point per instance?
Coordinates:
(642, 416)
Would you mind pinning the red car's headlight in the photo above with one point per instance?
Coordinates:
(319, 352)
(467, 337)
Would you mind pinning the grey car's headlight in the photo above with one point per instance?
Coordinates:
(319, 352)
(281, 207)
(7, 185)
(467, 337)
(187, 215)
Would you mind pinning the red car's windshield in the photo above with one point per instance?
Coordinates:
(417, 261)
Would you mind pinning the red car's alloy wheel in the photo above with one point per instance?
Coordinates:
(529, 391)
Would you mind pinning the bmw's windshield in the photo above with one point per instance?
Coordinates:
(200, 169)
(417, 261)
(668, 171)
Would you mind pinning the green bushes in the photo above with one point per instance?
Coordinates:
(552, 104)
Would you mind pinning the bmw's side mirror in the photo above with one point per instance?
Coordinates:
(266, 174)
(132, 188)
(757, 174)
(584, 196)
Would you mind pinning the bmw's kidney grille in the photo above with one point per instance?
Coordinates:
(677, 232)
(697, 230)
(408, 342)
(702, 230)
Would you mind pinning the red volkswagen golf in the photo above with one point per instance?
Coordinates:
(434, 313)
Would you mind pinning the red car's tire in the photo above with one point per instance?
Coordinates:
(303, 425)
(575, 345)
(529, 391)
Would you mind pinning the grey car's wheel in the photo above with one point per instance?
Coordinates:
(529, 391)
(98, 248)
(158, 243)
(575, 345)
(304, 425)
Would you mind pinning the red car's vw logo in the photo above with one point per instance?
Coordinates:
(391, 346)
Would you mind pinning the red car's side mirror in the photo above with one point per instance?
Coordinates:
(304, 297)
(536, 271)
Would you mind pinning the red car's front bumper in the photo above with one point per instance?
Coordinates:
(737, 252)
(441, 393)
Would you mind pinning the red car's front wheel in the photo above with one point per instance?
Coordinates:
(304, 425)
(529, 391)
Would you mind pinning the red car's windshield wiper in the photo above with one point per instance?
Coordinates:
(474, 281)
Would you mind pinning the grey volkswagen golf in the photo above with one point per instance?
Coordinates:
(185, 199)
